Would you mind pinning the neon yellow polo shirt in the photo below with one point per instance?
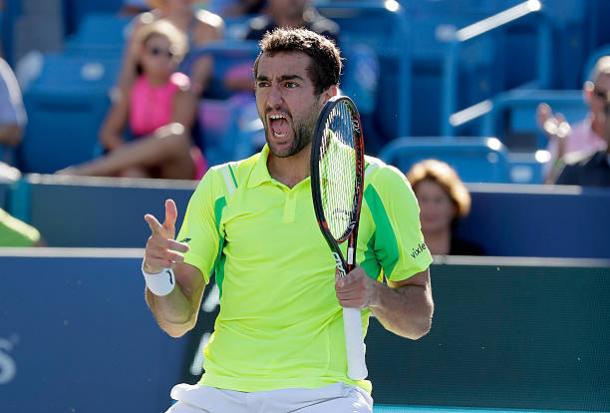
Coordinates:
(280, 324)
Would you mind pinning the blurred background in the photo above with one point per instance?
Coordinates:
(509, 96)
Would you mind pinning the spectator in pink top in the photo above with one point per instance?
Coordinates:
(200, 27)
(585, 136)
(158, 110)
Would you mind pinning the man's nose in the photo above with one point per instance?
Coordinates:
(275, 97)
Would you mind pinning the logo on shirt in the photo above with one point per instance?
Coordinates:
(187, 240)
(418, 250)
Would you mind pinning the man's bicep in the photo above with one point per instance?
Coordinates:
(421, 279)
(411, 255)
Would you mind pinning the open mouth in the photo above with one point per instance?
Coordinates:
(279, 126)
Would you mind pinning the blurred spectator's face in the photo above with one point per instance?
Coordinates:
(286, 102)
(287, 8)
(437, 209)
(180, 4)
(596, 94)
(158, 57)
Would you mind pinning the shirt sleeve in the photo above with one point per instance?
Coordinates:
(399, 242)
(12, 111)
(16, 233)
(200, 228)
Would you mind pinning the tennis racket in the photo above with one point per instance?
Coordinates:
(337, 182)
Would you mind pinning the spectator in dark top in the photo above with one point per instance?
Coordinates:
(443, 199)
(291, 13)
(591, 169)
(235, 8)
(280, 13)
(585, 136)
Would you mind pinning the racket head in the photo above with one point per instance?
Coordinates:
(337, 171)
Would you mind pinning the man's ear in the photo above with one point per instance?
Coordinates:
(587, 91)
(329, 93)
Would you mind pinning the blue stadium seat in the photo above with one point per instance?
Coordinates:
(223, 132)
(227, 55)
(66, 104)
(62, 129)
(75, 11)
(65, 73)
(386, 34)
(229, 129)
(236, 27)
(475, 159)
(10, 14)
(99, 34)
(592, 59)
(513, 116)
(478, 63)
(572, 23)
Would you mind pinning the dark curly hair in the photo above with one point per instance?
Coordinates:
(325, 68)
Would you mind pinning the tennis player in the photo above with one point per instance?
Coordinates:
(278, 344)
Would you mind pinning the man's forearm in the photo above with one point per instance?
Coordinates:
(406, 311)
(175, 313)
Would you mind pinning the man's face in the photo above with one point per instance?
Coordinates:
(286, 102)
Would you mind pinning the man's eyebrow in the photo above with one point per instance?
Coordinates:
(290, 77)
(282, 78)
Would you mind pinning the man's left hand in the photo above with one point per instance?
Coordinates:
(356, 290)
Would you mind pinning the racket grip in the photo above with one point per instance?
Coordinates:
(354, 344)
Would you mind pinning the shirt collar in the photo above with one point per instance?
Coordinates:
(260, 173)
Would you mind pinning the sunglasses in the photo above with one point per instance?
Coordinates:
(157, 51)
(602, 94)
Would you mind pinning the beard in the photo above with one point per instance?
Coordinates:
(303, 135)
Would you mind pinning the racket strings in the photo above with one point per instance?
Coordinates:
(337, 166)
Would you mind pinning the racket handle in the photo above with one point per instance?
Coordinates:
(354, 344)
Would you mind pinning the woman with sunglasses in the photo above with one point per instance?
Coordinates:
(585, 136)
(158, 110)
(199, 26)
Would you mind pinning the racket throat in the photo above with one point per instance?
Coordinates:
(350, 257)
(341, 266)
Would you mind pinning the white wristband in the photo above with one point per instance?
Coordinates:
(161, 283)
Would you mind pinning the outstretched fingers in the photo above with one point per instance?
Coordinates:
(162, 250)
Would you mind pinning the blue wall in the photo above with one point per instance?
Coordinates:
(100, 212)
(82, 338)
(539, 221)
(76, 336)
(508, 220)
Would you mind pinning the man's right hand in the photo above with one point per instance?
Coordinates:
(162, 251)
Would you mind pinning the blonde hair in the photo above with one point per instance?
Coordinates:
(178, 40)
(446, 177)
(601, 68)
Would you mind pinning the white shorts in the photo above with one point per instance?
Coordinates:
(335, 398)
